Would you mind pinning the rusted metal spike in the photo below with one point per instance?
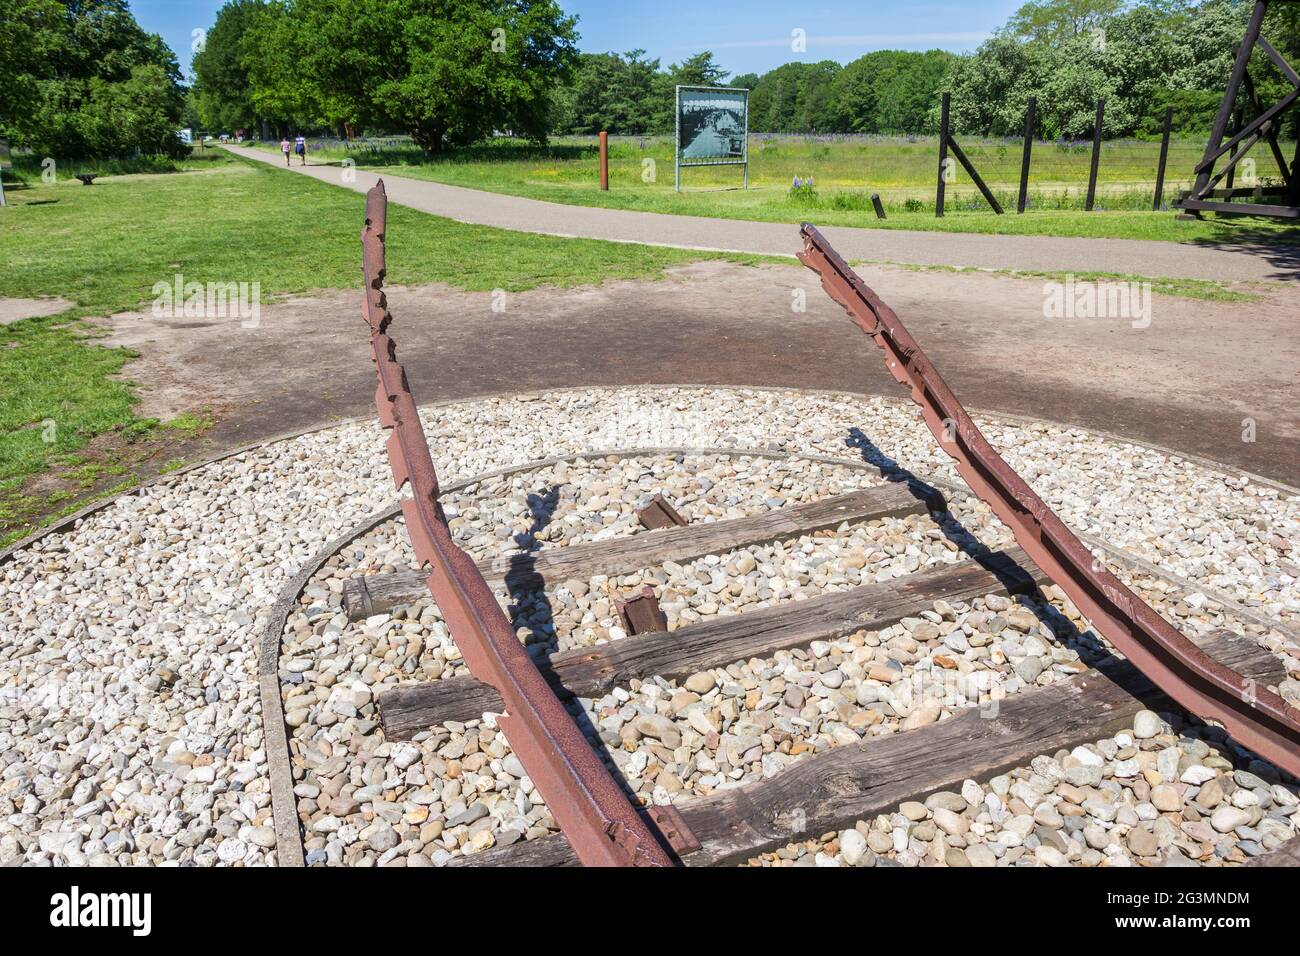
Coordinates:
(658, 513)
(640, 613)
(1256, 717)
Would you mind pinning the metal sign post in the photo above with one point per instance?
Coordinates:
(711, 128)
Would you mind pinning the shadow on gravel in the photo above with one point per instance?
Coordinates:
(531, 608)
(1283, 256)
(1014, 578)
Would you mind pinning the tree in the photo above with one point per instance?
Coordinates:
(448, 71)
(793, 98)
(698, 70)
(28, 30)
(888, 91)
(222, 91)
(1058, 21)
(1140, 57)
(280, 89)
(609, 92)
(87, 81)
(991, 89)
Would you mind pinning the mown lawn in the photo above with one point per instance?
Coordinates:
(846, 171)
(104, 247)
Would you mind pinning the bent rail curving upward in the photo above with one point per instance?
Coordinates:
(600, 823)
(1256, 717)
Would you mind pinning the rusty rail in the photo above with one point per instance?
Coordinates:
(1255, 716)
(599, 821)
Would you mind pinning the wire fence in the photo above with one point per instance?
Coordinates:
(848, 167)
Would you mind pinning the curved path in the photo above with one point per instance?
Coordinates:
(1035, 253)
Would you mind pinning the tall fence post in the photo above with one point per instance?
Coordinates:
(943, 155)
(604, 161)
(1164, 158)
(1096, 156)
(1030, 116)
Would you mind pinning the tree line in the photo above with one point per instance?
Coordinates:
(1140, 57)
(80, 78)
(83, 79)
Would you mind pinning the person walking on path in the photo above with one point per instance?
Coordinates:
(284, 148)
(300, 147)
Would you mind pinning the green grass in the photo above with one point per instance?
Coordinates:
(846, 170)
(105, 246)
(31, 169)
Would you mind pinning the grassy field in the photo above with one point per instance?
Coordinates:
(104, 247)
(846, 171)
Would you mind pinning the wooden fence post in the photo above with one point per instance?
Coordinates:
(604, 160)
(943, 155)
(1096, 156)
(1164, 158)
(1024, 160)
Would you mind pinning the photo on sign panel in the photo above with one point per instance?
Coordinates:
(711, 124)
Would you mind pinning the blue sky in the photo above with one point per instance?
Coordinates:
(745, 37)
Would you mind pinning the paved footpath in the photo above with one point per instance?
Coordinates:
(1035, 253)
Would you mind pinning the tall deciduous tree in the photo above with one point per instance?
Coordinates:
(609, 92)
(888, 91)
(222, 92)
(793, 98)
(86, 81)
(1058, 21)
(447, 71)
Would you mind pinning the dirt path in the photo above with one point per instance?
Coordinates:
(1183, 382)
(1034, 253)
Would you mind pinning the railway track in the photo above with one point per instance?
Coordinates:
(1221, 677)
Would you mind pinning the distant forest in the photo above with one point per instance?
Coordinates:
(458, 71)
(1141, 57)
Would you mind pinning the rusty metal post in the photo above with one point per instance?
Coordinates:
(1164, 159)
(1030, 117)
(1096, 155)
(604, 161)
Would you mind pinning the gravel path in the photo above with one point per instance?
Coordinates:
(129, 725)
(1051, 254)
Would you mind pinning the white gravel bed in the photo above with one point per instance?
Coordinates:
(1155, 794)
(458, 788)
(129, 724)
